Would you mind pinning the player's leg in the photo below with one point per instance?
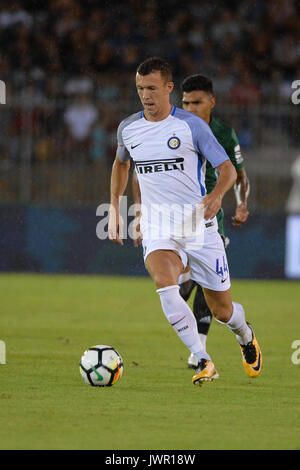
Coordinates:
(201, 310)
(202, 313)
(165, 266)
(232, 314)
(203, 318)
(186, 284)
(209, 268)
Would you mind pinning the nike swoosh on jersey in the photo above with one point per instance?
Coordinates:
(133, 146)
(223, 280)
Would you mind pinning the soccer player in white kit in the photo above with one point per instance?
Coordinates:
(169, 147)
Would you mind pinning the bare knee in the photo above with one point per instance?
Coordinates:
(164, 267)
(220, 304)
(162, 280)
(222, 312)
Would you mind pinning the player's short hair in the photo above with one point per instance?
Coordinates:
(197, 82)
(156, 64)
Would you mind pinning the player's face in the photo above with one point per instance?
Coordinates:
(154, 92)
(199, 102)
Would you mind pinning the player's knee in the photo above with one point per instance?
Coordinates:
(222, 312)
(162, 280)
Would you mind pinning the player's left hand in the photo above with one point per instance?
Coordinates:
(241, 215)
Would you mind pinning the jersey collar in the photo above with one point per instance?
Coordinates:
(173, 109)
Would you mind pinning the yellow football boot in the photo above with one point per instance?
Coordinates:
(205, 372)
(252, 356)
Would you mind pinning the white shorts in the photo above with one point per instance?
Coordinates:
(209, 266)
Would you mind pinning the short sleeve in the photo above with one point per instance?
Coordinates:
(206, 144)
(122, 152)
(234, 151)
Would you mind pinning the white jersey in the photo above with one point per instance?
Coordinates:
(170, 159)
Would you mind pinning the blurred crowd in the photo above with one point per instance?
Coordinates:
(69, 65)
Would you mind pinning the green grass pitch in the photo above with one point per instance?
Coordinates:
(48, 321)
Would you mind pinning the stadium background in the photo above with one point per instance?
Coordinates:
(69, 69)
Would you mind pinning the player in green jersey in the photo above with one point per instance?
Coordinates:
(198, 98)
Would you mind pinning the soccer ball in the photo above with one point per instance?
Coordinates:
(101, 366)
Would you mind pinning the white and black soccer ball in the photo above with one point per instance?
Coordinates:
(101, 366)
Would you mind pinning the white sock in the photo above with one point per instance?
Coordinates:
(182, 319)
(237, 324)
(203, 339)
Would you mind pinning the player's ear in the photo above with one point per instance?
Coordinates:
(213, 102)
(170, 86)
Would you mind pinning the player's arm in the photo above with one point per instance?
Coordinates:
(242, 185)
(216, 155)
(136, 193)
(213, 201)
(241, 191)
(118, 183)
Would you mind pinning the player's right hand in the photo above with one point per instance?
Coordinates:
(212, 203)
(115, 226)
(137, 235)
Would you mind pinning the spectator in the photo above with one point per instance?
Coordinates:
(70, 39)
(246, 92)
(223, 82)
(225, 25)
(80, 118)
(60, 49)
(13, 14)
